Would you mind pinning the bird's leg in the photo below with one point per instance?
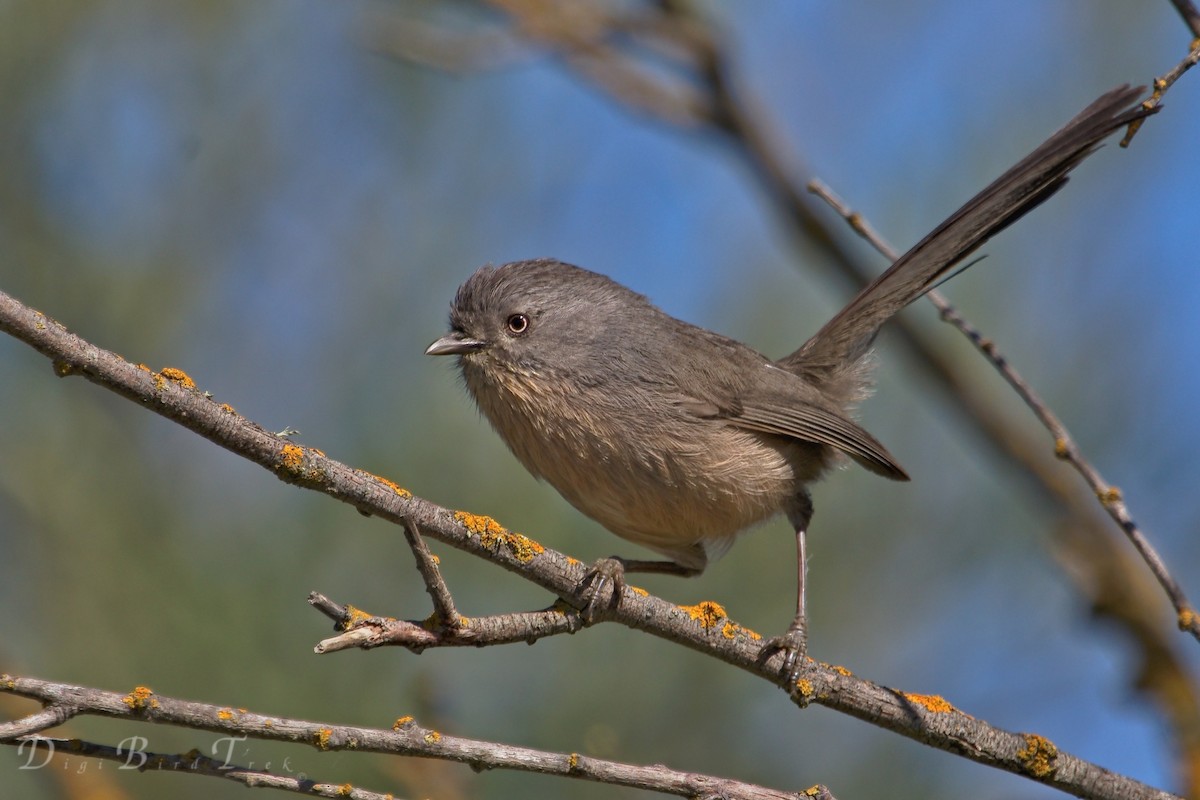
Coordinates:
(610, 572)
(794, 642)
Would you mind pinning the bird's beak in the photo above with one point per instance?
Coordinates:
(455, 344)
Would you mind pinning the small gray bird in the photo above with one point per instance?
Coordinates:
(678, 438)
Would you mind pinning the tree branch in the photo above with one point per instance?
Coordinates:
(405, 738)
(704, 627)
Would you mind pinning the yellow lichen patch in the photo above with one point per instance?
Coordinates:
(1110, 495)
(354, 616)
(400, 490)
(930, 702)
(477, 523)
(140, 698)
(806, 688)
(178, 376)
(731, 630)
(291, 457)
(10, 682)
(225, 714)
(345, 789)
(639, 591)
(573, 761)
(435, 558)
(522, 547)
(493, 535)
(574, 562)
(321, 738)
(143, 368)
(406, 721)
(1038, 756)
(228, 409)
(706, 612)
(1060, 448)
(1187, 619)
(841, 671)
(433, 737)
(815, 790)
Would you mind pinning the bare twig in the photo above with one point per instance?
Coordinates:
(1065, 446)
(49, 717)
(366, 631)
(704, 627)
(443, 603)
(1162, 84)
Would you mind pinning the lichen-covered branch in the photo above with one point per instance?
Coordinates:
(705, 627)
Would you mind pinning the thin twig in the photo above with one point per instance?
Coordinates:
(1065, 446)
(365, 631)
(443, 603)
(1162, 84)
(49, 717)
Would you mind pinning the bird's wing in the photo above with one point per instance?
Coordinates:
(783, 404)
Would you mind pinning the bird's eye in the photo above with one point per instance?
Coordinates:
(518, 324)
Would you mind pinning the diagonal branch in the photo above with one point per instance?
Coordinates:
(705, 628)
(405, 738)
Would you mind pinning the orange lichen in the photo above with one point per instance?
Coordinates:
(1110, 495)
(493, 535)
(574, 562)
(930, 702)
(406, 721)
(706, 612)
(225, 714)
(1038, 756)
(1187, 619)
(639, 591)
(354, 616)
(804, 685)
(433, 737)
(477, 523)
(178, 376)
(143, 368)
(141, 698)
(841, 671)
(400, 490)
(228, 409)
(345, 789)
(321, 738)
(291, 457)
(1061, 450)
(573, 762)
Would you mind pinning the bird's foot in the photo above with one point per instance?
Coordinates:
(606, 576)
(793, 644)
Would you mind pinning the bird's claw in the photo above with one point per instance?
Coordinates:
(607, 572)
(794, 646)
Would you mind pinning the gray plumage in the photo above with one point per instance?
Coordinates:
(678, 438)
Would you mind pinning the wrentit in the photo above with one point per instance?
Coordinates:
(678, 438)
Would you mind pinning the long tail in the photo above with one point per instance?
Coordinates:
(846, 338)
